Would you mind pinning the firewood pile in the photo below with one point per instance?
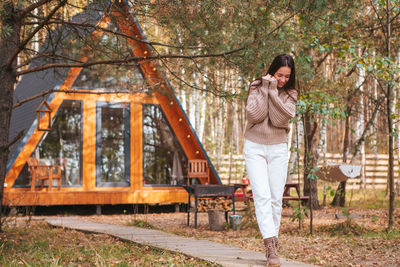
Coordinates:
(217, 204)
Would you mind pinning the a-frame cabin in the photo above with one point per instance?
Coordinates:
(118, 133)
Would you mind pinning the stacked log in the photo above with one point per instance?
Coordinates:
(214, 204)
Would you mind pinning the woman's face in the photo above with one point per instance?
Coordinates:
(282, 75)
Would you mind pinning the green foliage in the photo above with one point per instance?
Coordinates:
(299, 213)
(311, 175)
(347, 227)
(318, 102)
(331, 191)
(6, 18)
(141, 224)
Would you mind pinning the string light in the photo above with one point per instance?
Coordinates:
(180, 119)
(188, 136)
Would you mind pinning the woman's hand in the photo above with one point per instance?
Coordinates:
(269, 80)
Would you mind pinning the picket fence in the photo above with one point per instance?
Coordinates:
(231, 169)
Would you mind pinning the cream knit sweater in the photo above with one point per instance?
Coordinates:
(269, 111)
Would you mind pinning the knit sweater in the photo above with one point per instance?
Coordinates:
(269, 111)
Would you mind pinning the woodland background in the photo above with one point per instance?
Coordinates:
(347, 56)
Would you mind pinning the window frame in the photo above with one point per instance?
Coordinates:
(126, 106)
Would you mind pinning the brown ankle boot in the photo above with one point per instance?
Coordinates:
(276, 240)
(271, 252)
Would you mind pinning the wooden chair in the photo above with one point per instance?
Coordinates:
(244, 194)
(198, 168)
(42, 173)
(298, 197)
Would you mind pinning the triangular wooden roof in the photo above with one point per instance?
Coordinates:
(23, 117)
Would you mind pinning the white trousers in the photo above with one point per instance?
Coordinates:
(267, 169)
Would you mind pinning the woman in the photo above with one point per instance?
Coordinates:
(271, 104)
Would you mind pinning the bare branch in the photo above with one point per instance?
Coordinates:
(124, 61)
(354, 68)
(359, 142)
(373, 27)
(44, 93)
(189, 85)
(32, 7)
(32, 34)
(87, 25)
(45, 55)
(19, 135)
(323, 59)
(379, 18)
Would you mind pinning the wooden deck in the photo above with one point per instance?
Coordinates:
(45, 198)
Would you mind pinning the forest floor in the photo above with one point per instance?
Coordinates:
(353, 236)
(341, 237)
(27, 242)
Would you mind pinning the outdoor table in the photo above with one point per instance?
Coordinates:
(207, 191)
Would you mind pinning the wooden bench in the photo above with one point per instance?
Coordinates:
(244, 195)
(41, 172)
(298, 197)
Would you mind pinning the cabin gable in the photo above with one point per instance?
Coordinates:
(120, 140)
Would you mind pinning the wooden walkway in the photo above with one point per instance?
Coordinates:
(210, 251)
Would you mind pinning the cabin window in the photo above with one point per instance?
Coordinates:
(112, 144)
(119, 78)
(62, 145)
(164, 162)
(126, 77)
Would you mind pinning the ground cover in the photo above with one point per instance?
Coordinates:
(35, 243)
(353, 236)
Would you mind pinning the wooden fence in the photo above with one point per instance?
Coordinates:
(231, 169)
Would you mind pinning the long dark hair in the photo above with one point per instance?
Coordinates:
(284, 60)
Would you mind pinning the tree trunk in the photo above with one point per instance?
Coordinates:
(8, 44)
(389, 113)
(374, 141)
(398, 139)
(196, 105)
(321, 150)
(219, 132)
(310, 183)
(360, 122)
(391, 158)
(340, 196)
(296, 143)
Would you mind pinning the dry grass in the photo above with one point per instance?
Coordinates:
(38, 244)
(357, 238)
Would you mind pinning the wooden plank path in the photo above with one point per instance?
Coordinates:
(210, 251)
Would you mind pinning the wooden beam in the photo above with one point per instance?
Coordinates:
(44, 198)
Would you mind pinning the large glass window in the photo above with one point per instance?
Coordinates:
(164, 162)
(62, 145)
(123, 77)
(113, 144)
